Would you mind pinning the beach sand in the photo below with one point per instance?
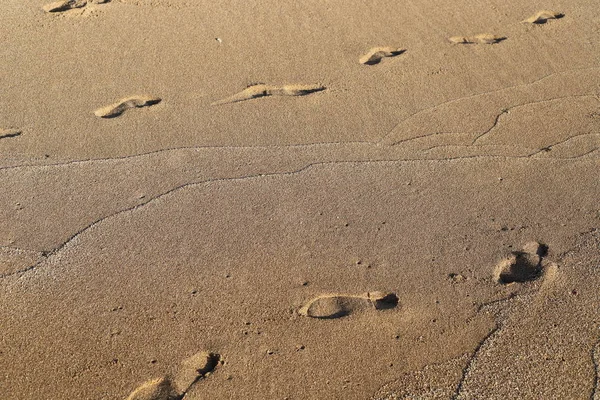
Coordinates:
(283, 200)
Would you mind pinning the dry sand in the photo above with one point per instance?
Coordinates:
(301, 200)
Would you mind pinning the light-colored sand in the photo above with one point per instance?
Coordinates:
(418, 224)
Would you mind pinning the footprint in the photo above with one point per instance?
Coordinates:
(335, 305)
(116, 109)
(261, 90)
(155, 389)
(482, 38)
(376, 54)
(173, 388)
(541, 17)
(194, 368)
(521, 266)
(65, 5)
(8, 133)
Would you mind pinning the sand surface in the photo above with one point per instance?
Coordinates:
(299, 200)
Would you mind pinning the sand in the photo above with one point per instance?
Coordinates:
(315, 200)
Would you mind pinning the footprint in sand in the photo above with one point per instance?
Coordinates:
(376, 54)
(8, 133)
(65, 5)
(521, 266)
(541, 17)
(155, 389)
(483, 38)
(336, 305)
(189, 372)
(116, 109)
(261, 90)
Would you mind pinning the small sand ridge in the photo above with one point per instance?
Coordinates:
(541, 17)
(482, 38)
(376, 54)
(337, 305)
(189, 372)
(118, 108)
(261, 90)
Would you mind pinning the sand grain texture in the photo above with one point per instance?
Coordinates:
(418, 224)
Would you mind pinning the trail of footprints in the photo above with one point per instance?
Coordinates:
(519, 267)
(374, 56)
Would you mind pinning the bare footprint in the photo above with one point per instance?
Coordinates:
(483, 38)
(336, 305)
(194, 368)
(155, 389)
(8, 133)
(541, 17)
(173, 388)
(260, 90)
(66, 5)
(521, 266)
(116, 109)
(376, 54)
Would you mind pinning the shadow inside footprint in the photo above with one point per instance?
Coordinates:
(521, 266)
(8, 133)
(336, 306)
